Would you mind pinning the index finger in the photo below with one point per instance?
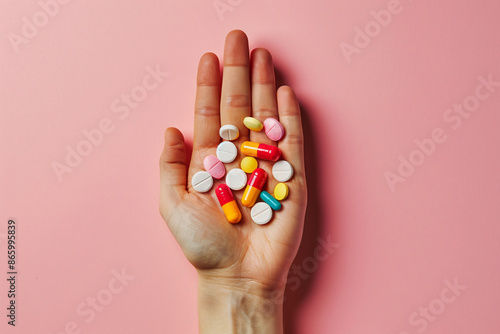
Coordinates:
(206, 110)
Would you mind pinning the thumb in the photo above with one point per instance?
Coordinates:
(173, 170)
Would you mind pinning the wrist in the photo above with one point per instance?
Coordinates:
(229, 305)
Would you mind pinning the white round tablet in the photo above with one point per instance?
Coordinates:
(227, 152)
(282, 171)
(261, 213)
(229, 132)
(236, 179)
(202, 181)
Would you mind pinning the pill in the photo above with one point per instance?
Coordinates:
(214, 166)
(261, 151)
(274, 129)
(248, 164)
(227, 152)
(236, 179)
(282, 171)
(253, 123)
(270, 200)
(202, 181)
(229, 132)
(281, 191)
(228, 204)
(254, 186)
(261, 213)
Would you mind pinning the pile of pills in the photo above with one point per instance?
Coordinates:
(236, 178)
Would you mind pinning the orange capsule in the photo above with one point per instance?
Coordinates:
(261, 151)
(228, 204)
(254, 186)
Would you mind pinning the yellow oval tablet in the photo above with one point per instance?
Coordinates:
(281, 191)
(253, 124)
(249, 164)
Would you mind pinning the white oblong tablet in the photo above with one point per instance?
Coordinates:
(229, 132)
(282, 171)
(261, 213)
(227, 152)
(236, 179)
(202, 181)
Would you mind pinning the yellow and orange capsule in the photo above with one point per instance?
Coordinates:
(254, 186)
(261, 151)
(228, 204)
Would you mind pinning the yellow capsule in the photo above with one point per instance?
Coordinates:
(253, 124)
(261, 151)
(250, 196)
(281, 191)
(232, 212)
(254, 186)
(249, 164)
(228, 204)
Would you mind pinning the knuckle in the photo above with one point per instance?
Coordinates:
(237, 101)
(207, 111)
(265, 112)
(295, 139)
(290, 112)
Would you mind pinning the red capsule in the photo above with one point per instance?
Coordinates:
(228, 204)
(261, 151)
(254, 186)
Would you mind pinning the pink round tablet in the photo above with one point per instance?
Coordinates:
(274, 129)
(214, 166)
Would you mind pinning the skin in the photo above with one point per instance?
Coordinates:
(242, 268)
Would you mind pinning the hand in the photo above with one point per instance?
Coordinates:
(243, 254)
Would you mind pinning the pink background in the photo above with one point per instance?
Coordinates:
(396, 248)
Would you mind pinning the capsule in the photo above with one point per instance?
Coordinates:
(254, 186)
(270, 200)
(228, 204)
(261, 151)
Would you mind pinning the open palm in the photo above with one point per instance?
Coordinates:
(246, 251)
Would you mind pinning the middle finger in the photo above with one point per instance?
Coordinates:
(236, 102)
